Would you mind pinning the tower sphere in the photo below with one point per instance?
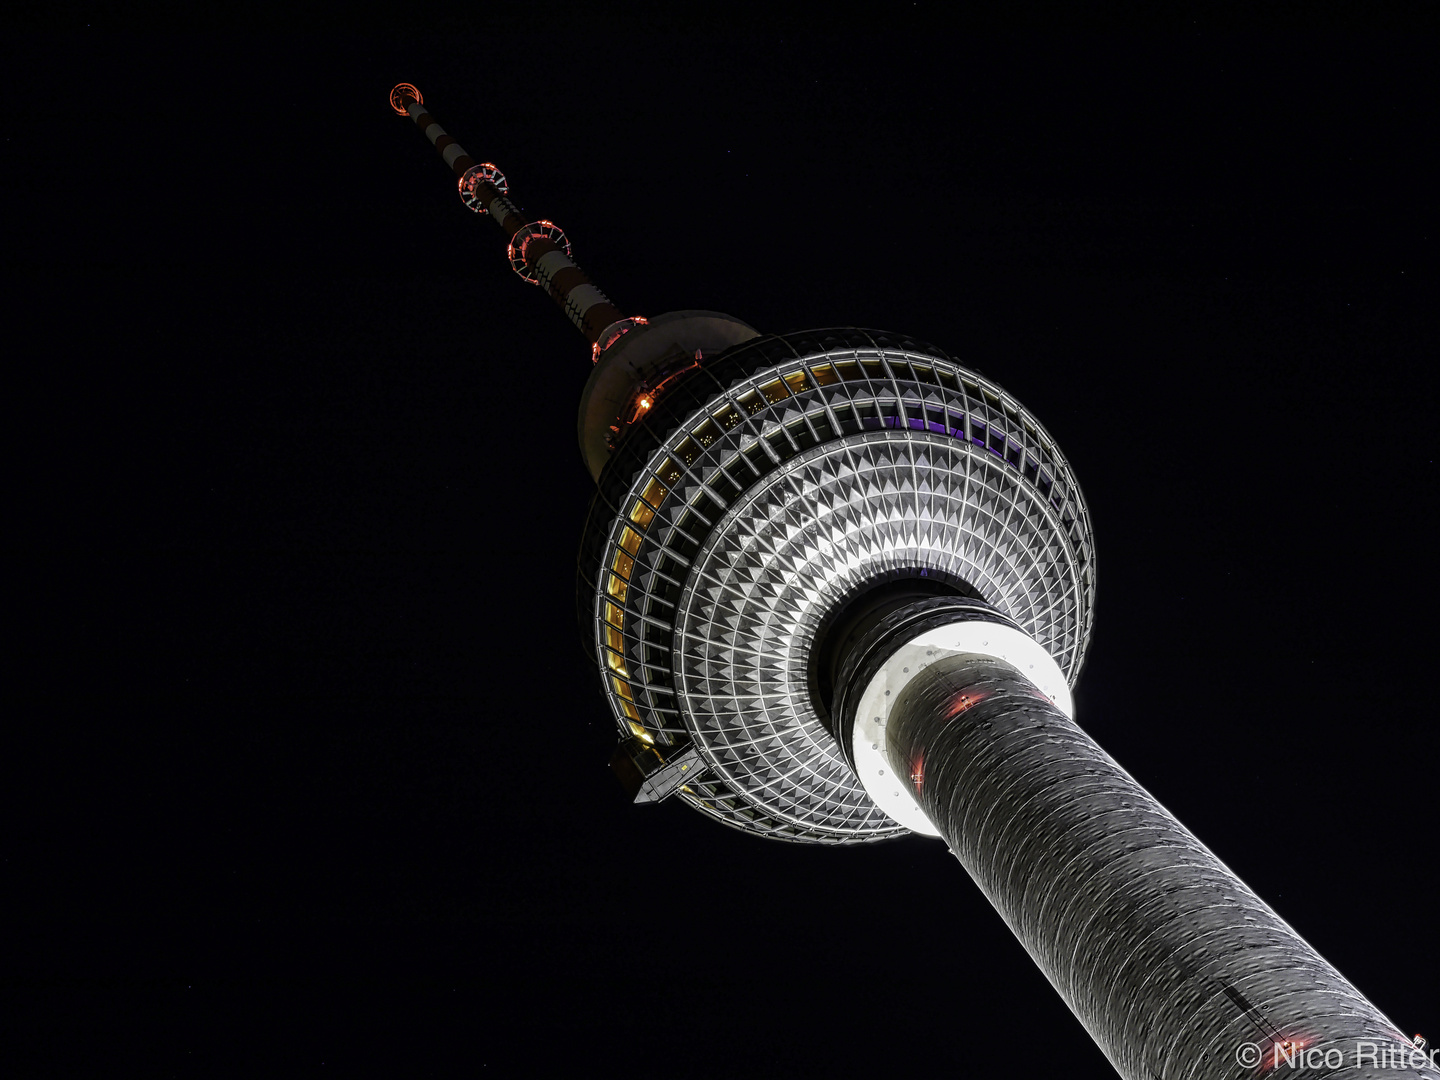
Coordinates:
(764, 504)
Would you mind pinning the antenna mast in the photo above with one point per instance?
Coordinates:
(539, 250)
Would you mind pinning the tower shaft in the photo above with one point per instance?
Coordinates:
(1171, 963)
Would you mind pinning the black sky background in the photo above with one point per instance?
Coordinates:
(312, 771)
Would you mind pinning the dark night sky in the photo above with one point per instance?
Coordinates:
(319, 777)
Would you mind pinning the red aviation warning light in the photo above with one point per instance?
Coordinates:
(403, 94)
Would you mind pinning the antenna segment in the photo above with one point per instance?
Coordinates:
(539, 250)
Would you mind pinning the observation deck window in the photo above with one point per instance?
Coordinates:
(687, 451)
(728, 417)
(705, 507)
(849, 370)
(822, 425)
(800, 432)
(724, 487)
(774, 391)
(706, 433)
(655, 492)
(758, 459)
(824, 375)
(779, 445)
(641, 514)
(798, 382)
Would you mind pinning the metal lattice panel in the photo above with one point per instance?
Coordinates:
(824, 524)
(839, 440)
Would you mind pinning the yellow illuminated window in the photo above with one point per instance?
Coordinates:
(614, 639)
(616, 663)
(728, 417)
(706, 433)
(630, 540)
(752, 402)
(654, 493)
(614, 614)
(669, 472)
(629, 710)
(622, 564)
(687, 451)
(621, 687)
(617, 588)
(775, 391)
(641, 514)
(849, 370)
(640, 733)
(797, 381)
(825, 375)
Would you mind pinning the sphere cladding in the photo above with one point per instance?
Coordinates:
(762, 490)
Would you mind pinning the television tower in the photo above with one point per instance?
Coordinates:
(838, 587)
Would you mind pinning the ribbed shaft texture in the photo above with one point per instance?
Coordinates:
(1169, 961)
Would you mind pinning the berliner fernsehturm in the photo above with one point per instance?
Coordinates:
(838, 587)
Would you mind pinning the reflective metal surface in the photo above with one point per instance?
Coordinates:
(765, 488)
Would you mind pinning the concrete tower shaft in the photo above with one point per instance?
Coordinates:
(539, 251)
(1173, 965)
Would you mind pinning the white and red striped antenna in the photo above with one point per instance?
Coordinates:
(539, 251)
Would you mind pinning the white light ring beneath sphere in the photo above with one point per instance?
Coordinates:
(891, 789)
